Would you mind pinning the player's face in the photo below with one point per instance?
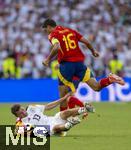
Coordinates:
(48, 29)
(21, 112)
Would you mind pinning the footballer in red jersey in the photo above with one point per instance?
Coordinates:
(65, 43)
(68, 39)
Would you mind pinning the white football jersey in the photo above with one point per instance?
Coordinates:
(36, 116)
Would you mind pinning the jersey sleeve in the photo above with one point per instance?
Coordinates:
(53, 39)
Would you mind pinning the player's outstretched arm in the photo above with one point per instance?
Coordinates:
(90, 47)
(57, 102)
(52, 54)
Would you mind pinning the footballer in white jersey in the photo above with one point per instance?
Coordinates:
(61, 121)
(36, 117)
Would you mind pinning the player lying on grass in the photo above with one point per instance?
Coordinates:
(61, 121)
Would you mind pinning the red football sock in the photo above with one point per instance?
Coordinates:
(104, 82)
(73, 101)
(63, 108)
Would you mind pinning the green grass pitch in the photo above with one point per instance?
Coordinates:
(109, 131)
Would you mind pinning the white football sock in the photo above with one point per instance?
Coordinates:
(82, 110)
(68, 125)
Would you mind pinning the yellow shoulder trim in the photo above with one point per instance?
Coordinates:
(54, 41)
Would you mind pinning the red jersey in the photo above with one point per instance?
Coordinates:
(68, 39)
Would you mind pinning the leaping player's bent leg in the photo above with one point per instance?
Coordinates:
(72, 101)
(63, 91)
(112, 78)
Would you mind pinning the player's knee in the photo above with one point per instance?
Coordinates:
(63, 90)
(66, 112)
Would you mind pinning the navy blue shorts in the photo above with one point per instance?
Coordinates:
(67, 70)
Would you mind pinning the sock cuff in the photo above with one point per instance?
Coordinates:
(68, 125)
(81, 110)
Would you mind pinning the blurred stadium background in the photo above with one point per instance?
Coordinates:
(23, 47)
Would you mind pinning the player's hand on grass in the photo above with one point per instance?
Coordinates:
(95, 53)
(46, 63)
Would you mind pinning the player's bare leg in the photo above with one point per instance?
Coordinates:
(63, 91)
(71, 112)
(112, 78)
(76, 111)
(71, 102)
(94, 84)
(59, 128)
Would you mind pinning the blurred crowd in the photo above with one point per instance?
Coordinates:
(23, 44)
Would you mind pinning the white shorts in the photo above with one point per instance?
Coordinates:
(56, 120)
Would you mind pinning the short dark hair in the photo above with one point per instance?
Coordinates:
(15, 108)
(49, 22)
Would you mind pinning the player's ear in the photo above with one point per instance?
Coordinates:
(16, 115)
